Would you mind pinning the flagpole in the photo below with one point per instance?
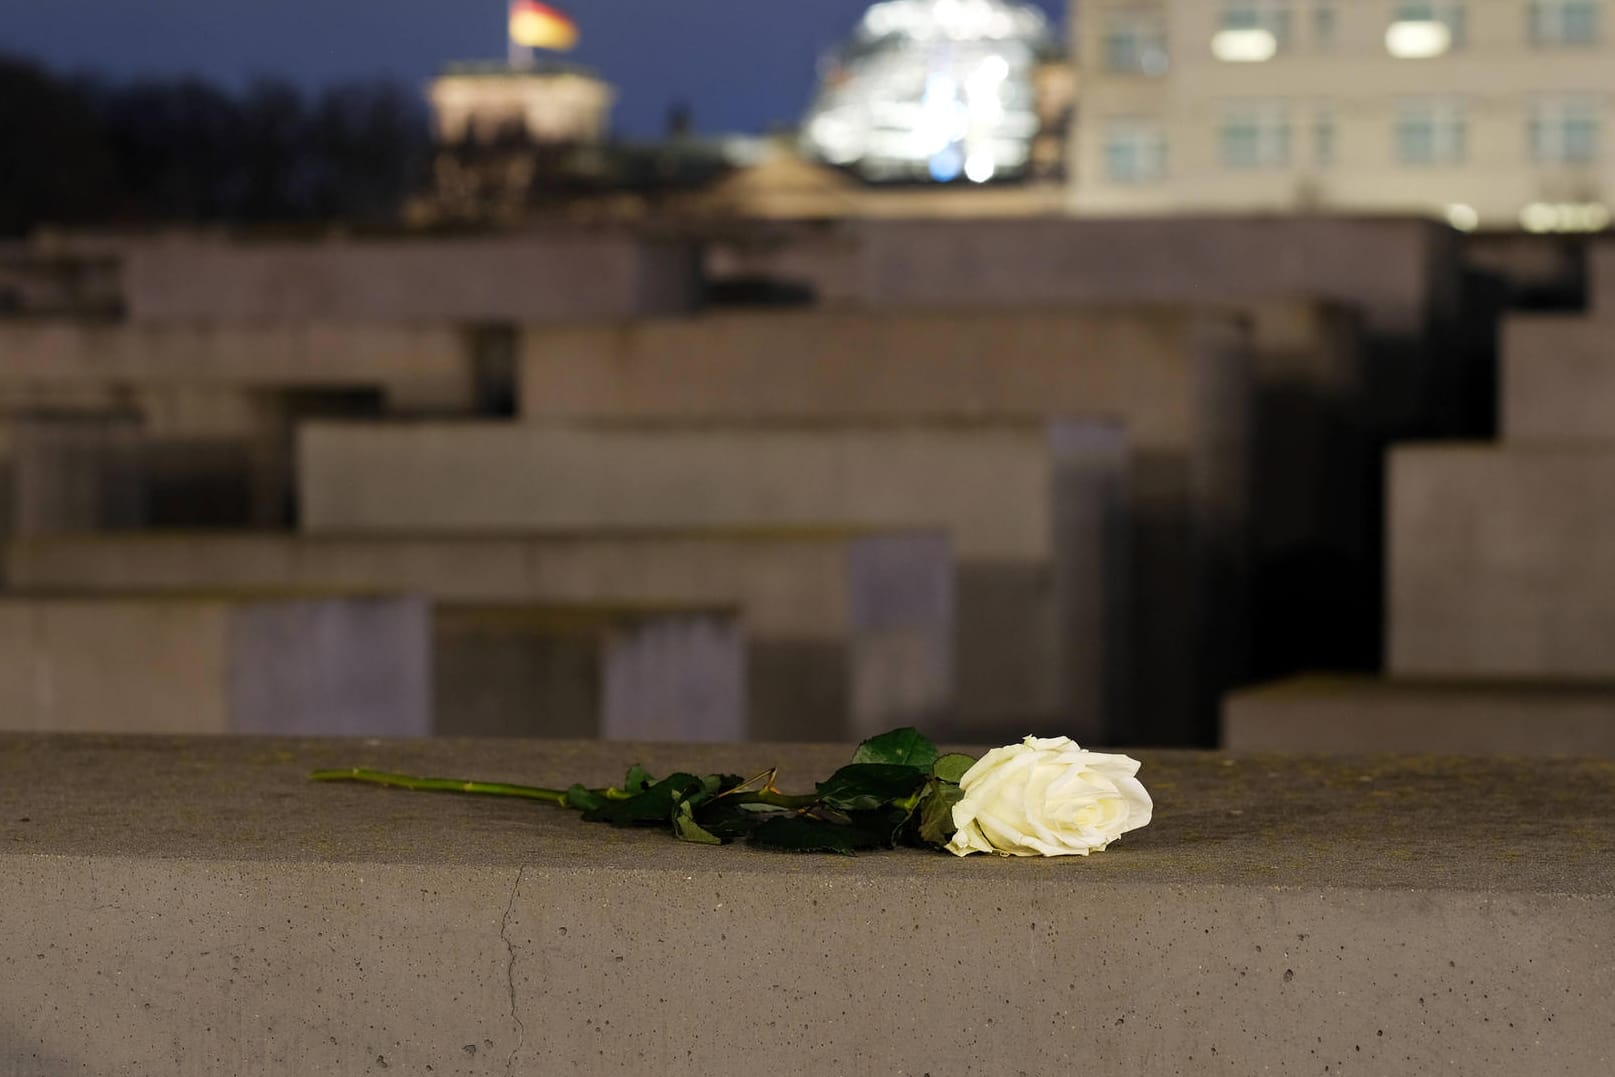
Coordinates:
(518, 56)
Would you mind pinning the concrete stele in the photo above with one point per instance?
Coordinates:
(193, 907)
(1502, 562)
(843, 625)
(216, 664)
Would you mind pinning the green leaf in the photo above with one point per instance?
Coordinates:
(653, 807)
(713, 784)
(883, 827)
(952, 767)
(728, 821)
(936, 811)
(637, 781)
(865, 786)
(903, 747)
(583, 797)
(685, 828)
(802, 834)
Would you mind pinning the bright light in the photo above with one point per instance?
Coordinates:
(1418, 40)
(1244, 46)
(1539, 217)
(944, 167)
(1542, 217)
(993, 69)
(1463, 217)
(979, 167)
(924, 87)
(840, 142)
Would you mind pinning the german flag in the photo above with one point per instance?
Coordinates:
(539, 26)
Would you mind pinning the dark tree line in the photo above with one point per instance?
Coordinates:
(89, 152)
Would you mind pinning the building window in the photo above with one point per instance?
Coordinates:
(1135, 151)
(1270, 15)
(1565, 22)
(1323, 138)
(1323, 24)
(1135, 44)
(1410, 15)
(1565, 132)
(1255, 136)
(1431, 133)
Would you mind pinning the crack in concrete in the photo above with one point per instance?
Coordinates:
(510, 972)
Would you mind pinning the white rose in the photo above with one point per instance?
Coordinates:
(1047, 797)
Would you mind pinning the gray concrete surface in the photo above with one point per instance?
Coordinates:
(417, 366)
(588, 671)
(1400, 272)
(1355, 715)
(1558, 379)
(187, 907)
(562, 275)
(848, 631)
(1003, 491)
(1601, 276)
(1502, 562)
(354, 666)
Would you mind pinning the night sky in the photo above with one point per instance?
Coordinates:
(741, 64)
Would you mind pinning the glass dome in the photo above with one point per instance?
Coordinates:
(932, 90)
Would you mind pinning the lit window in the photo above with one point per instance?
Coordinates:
(1425, 28)
(1255, 136)
(1135, 151)
(1431, 133)
(1565, 22)
(1323, 138)
(1323, 24)
(1565, 132)
(1135, 44)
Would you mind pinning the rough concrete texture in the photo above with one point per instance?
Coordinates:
(1558, 379)
(186, 907)
(1502, 561)
(1340, 714)
(849, 631)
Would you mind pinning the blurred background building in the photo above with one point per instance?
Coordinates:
(1487, 114)
(878, 418)
(941, 90)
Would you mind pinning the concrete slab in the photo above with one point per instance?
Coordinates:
(997, 489)
(1601, 276)
(417, 366)
(564, 275)
(1354, 715)
(1502, 562)
(195, 907)
(848, 632)
(1401, 272)
(617, 673)
(75, 473)
(216, 664)
(1558, 379)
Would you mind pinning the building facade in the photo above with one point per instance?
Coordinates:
(1490, 113)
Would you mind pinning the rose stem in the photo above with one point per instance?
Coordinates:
(442, 785)
(771, 797)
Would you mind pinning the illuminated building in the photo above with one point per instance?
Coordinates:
(1489, 113)
(936, 90)
(548, 104)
